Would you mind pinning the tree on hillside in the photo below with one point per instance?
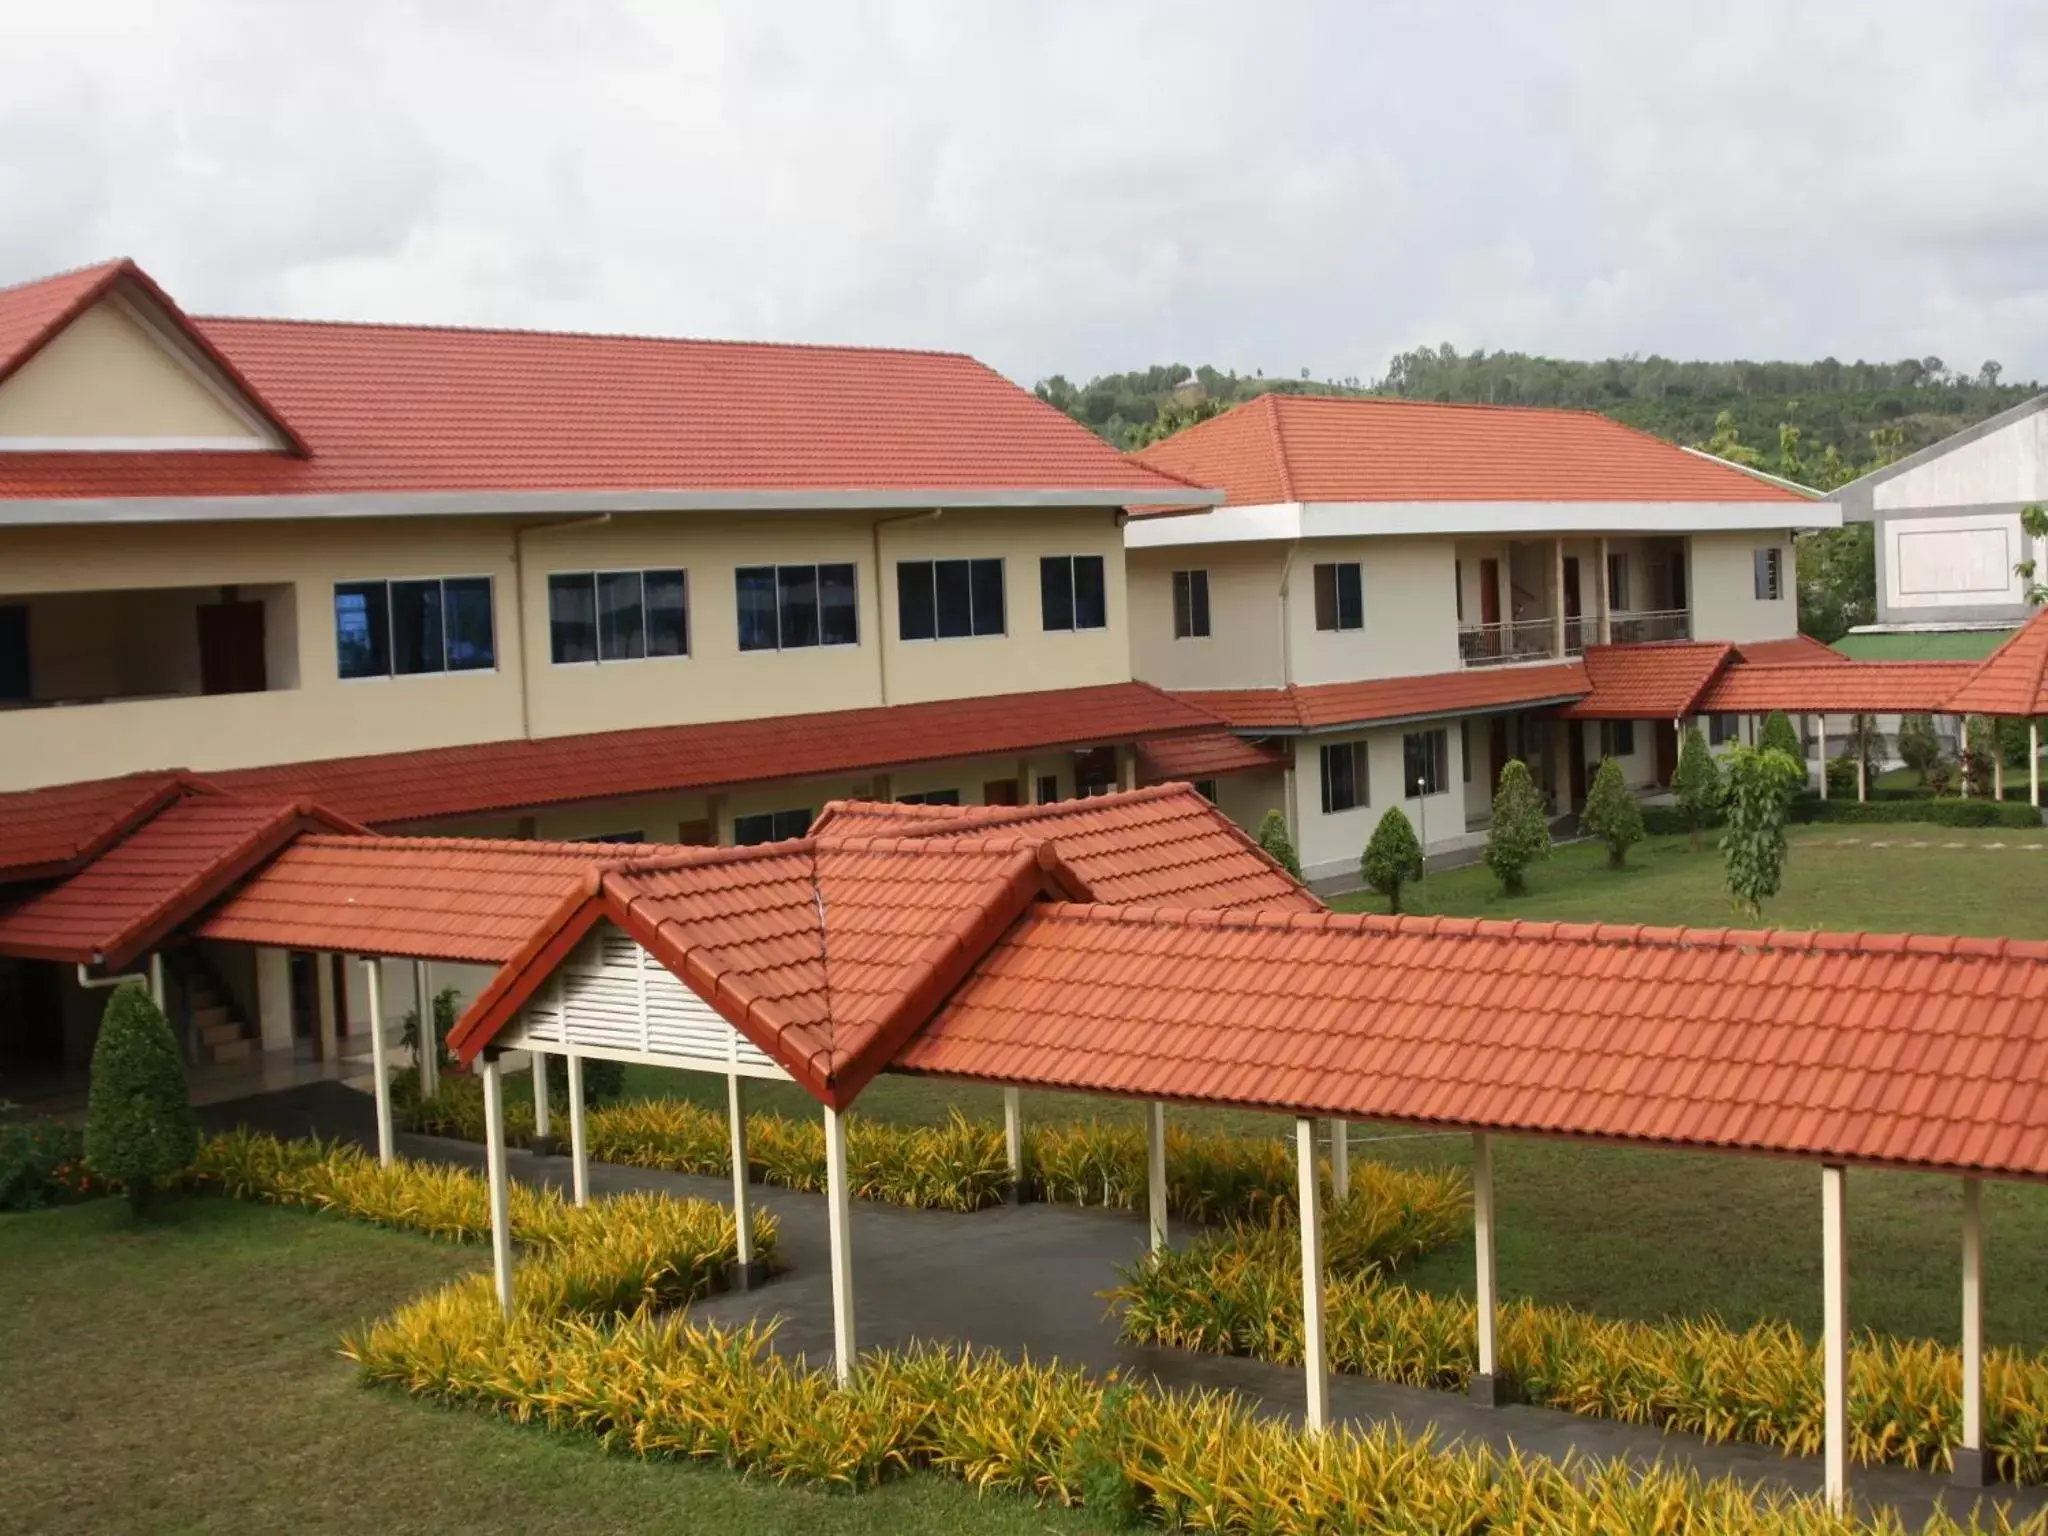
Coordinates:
(1274, 839)
(1761, 783)
(1611, 813)
(1393, 857)
(139, 1130)
(1697, 783)
(1520, 833)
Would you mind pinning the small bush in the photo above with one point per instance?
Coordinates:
(42, 1162)
(1919, 744)
(1697, 783)
(1938, 813)
(1520, 833)
(1274, 839)
(1761, 784)
(1393, 857)
(1779, 735)
(139, 1130)
(1842, 778)
(1612, 814)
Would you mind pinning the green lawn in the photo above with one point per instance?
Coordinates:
(182, 1376)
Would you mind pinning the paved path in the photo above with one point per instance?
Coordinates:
(1028, 1280)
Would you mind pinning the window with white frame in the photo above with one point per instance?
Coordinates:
(1770, 574)
(1346, 784)
(1425, 762)
(617, 615)
(770, 827)
(949, 599)
(1071, 593)
(794, 607)
(418, 625)
(1190, 605)
(1340, 595)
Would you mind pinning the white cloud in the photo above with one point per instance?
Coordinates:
(1064, 186)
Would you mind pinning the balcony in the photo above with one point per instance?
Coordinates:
(1635, 628)
(1500, 645)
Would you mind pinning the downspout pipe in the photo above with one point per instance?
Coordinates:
(526, 662)
(153, 979)
(881, 636)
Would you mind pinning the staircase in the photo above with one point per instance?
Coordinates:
(214, 1026)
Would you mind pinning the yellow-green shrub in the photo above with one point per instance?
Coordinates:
(1241, 1294)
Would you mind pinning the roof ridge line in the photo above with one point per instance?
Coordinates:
(1279, 440)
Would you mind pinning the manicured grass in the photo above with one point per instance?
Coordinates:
(183, 1376)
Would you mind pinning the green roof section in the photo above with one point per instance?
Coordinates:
(1931, 645)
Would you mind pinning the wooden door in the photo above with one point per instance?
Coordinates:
(999, 792)
(1667, 751)
(231, 648)
(696, 834)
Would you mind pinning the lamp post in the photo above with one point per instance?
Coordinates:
(1422, 822)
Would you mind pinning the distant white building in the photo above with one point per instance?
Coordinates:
(1948, 524)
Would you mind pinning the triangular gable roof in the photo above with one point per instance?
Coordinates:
(825, 952)
(53, 831)
(154, 877)
(1660, 680)
(2012, 680)
(33, 314)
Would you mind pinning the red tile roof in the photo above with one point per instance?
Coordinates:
(393, 408)
(823, 952)
(398, 787)
(1659, 681)
(1905, 1051)
(1796, 648)
(45, 832)
(2012, 680)
(1215, 756)
(1328, 706)
(423, 898)
(152, 879)
(1311, 448)
(1844, 687)
(1163, 846)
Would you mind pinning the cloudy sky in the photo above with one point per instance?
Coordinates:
(1068, 188)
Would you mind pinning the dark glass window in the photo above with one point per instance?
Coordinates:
(404, 628)
(931, 797)
(1071, 593)
(755, 589)
(572, 619)
(770, 827)
(617, 615)
(1340, 596)
(1206, 788)
(917, 613)
(1770, 575)
(621, 622)
(1344, 777)
(791, 607)
(1048, 788)
(796, 602)
(362, 629)
(472, 645)
(1624, 737)
(948, 599)
(838, 606)
(1190, 605)
(1425, 762)
(416, 628)
(668, 612)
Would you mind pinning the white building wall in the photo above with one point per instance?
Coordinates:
(1243, 648)
(2009, 465)
(1333, 844)
(1410, 611)
(1723, 588)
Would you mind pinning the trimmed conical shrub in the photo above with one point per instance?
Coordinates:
(1612, 814)
(1520, 833)
(1393, 857)
(1274, 839)
(139, 1130)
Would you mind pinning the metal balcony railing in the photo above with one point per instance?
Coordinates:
(1656, 624)
(1496, 645)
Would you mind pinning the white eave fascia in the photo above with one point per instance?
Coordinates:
(1378, 519)
(236, 509)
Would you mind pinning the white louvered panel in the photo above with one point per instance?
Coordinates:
(617, 947)
(603, 1008)
(539, 1022)
(680, 1023)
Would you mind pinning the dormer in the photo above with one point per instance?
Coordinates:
(101, 361)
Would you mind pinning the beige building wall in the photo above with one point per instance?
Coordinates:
(1409, 609)
(107, 375)
(1333, 844)
(1724, 601)
(1243, 647)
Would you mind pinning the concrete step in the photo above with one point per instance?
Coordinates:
(206, 1016)
(220, 1034)
(230, 1050)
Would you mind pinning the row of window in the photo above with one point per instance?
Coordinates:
(1339, 599)
(1347, 775)
(446, 624)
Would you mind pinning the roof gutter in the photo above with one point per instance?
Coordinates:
(519, 605)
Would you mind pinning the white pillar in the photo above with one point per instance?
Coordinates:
(1315, 1353)
(156, 979)
(373, 984)
(1482, 1241)
(541, 1126)
(1557, 592)
(742, 1198)
(1013, 1139)
(1835, 1332)
(1973, 1337)
(1820, 725)
(2033, 762)
(1340, 1160)
(1155, 1172)
(1606, 598)
(579, 1143)
(1962, 751)
(839, 1210)
(494, 1171)
(1997, 765)
(1862, 778)
(430, 1038)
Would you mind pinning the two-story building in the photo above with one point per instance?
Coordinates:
(1396, 595)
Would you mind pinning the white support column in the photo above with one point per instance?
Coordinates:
(373, 985)
(1835, 1332)
(839, 1212)
(1820, 726)
(1013, 1140)
(1997, 765)
(1557, 594)
(1606, 599)
(2034, 763)
(1862, 779)
(579, 1142)
(742, 1194)
(543, 1131)
(1126, 767)
(1963, 751)
(156, 979)
(1155, 1173)
(1489, 1385)
(1340, 1160)
(429, 1063)
(1315, 1353)
(494, 1171)
(1972, 1467)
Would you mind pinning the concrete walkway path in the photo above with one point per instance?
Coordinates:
(1028, 1281)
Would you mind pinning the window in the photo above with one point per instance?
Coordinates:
(1071, 593)
(614, 837)
(1048, 789)
(617, 615)
(1206, 788)
(1722, 729)
(402, 628)
(1770, 574)
(1345, 785)
(1617, 581)
(1425, 762)
(792, 607)
(1621, 739)
(1190, 605)
(948, 599)
(1340, 596)
(931, 797)
(770, 827)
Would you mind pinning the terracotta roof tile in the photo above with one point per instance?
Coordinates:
(1663, 680)
(1312, 448)
(1796, 648)
(1302, 707)
(2012, 680)
(150, 880)
(45, 832)
(31, 313)
(1538, 1028)
(1214, 756)
(1842, 687)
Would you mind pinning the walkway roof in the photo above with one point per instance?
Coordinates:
(1847, 687)
(1304, 707)
(2012, 680)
